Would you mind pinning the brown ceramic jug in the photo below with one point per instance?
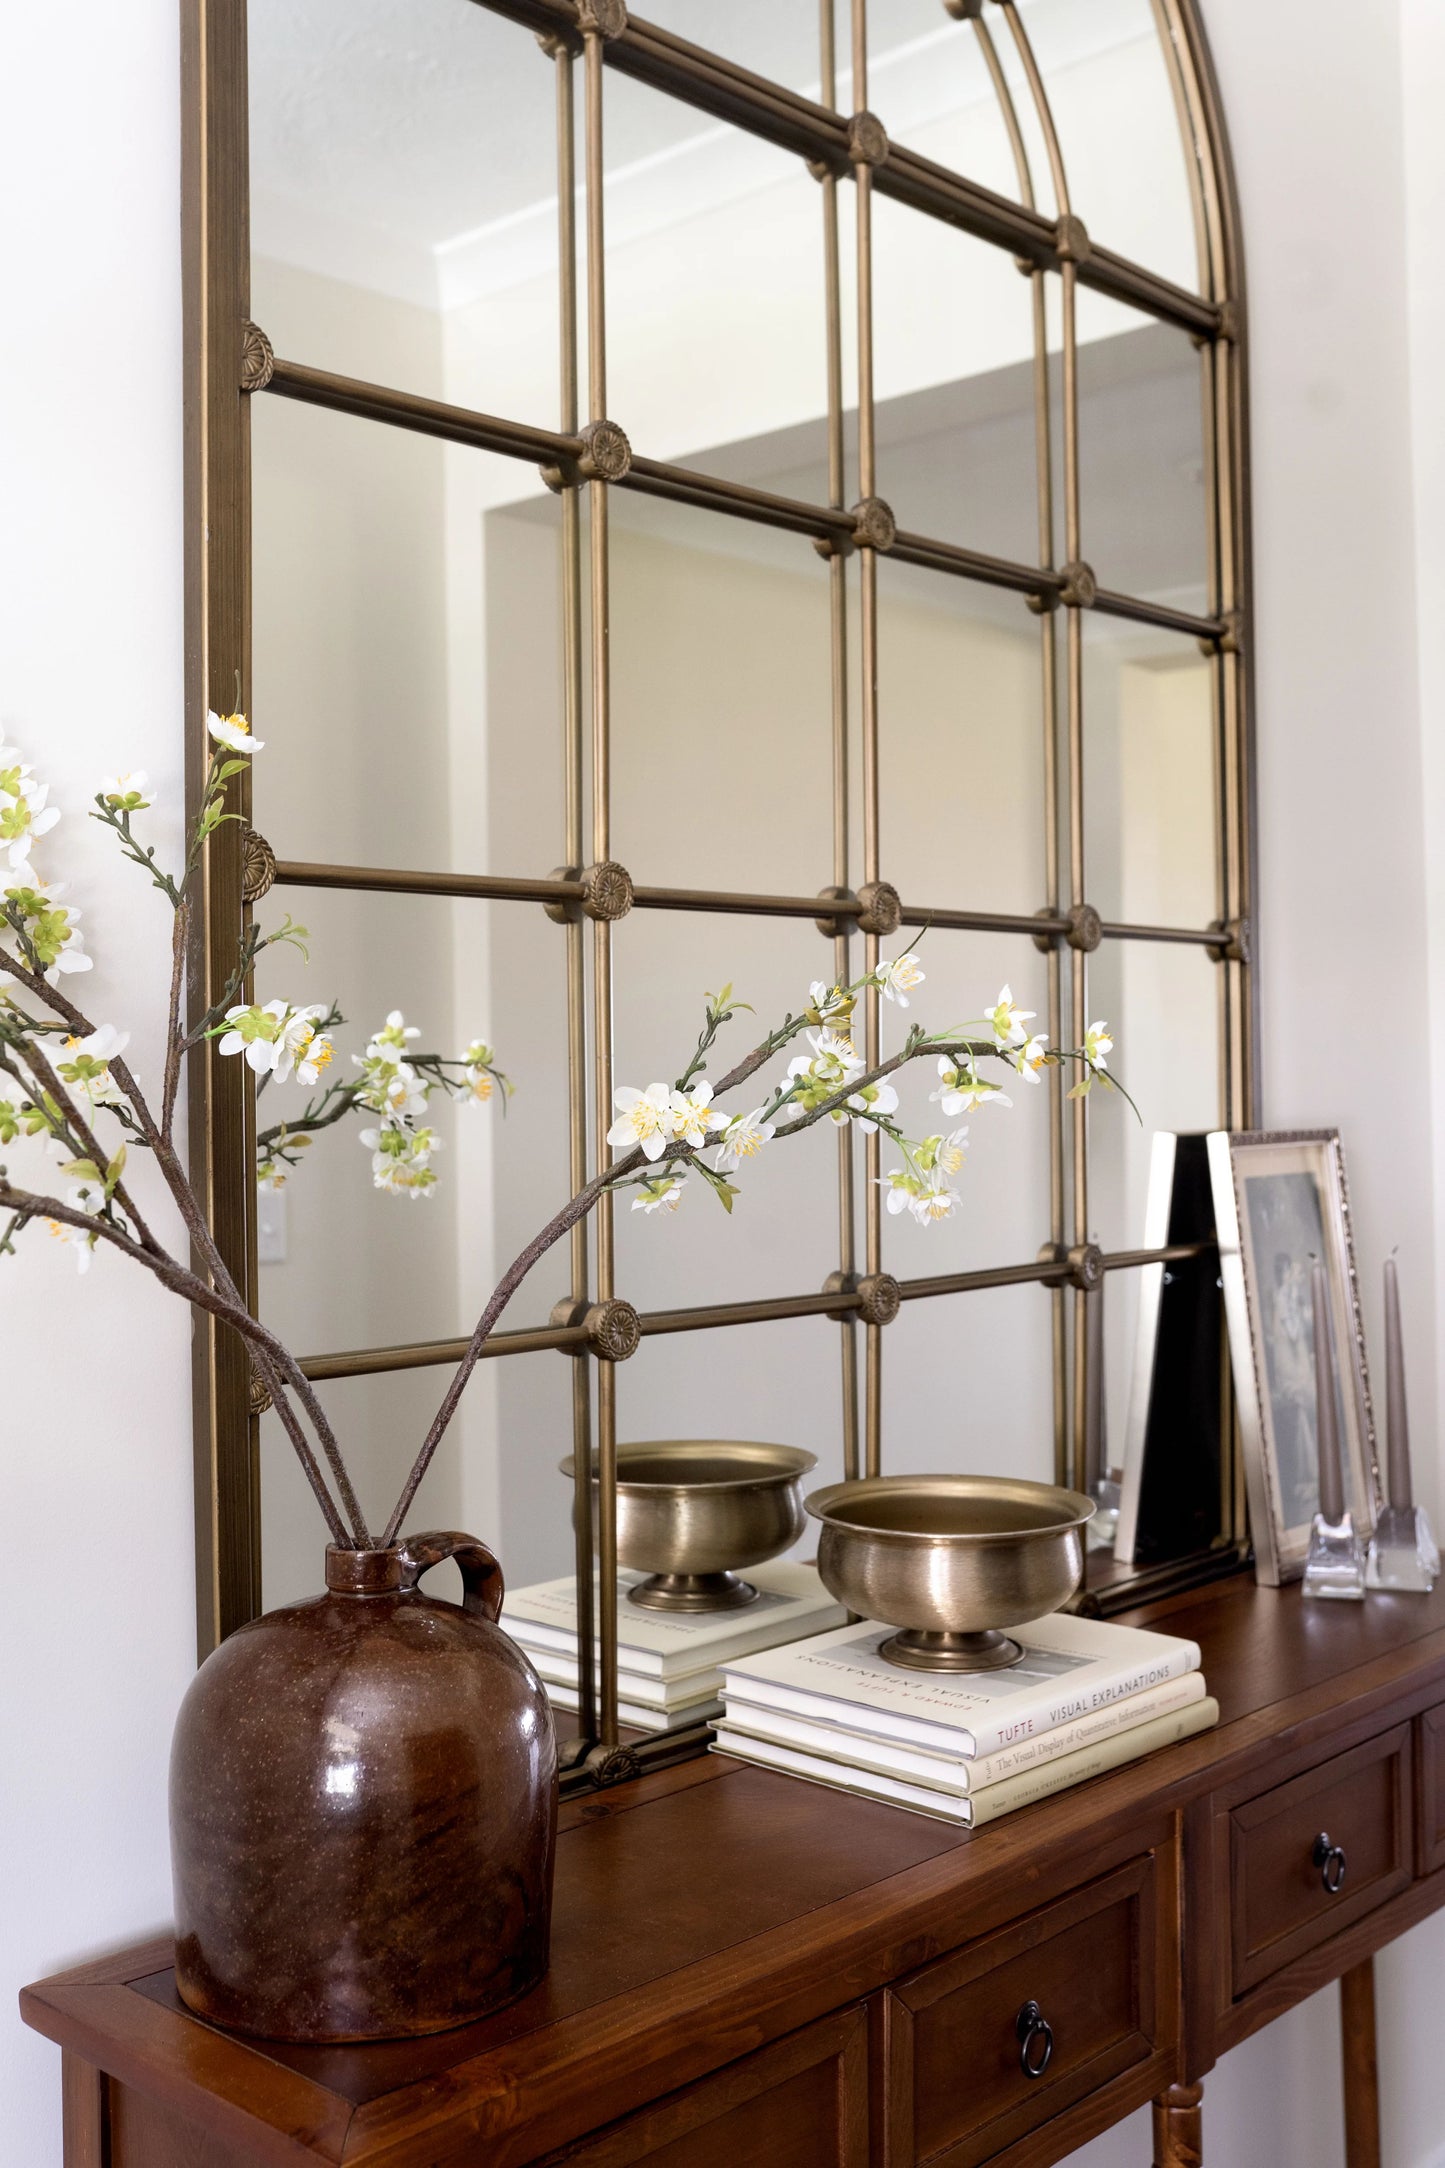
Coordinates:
(363, 1808)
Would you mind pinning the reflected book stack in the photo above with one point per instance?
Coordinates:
(966, 1747)
(669, 1663)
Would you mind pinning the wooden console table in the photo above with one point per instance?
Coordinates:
(748, 1969)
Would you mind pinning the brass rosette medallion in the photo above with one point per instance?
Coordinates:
(613, 1330)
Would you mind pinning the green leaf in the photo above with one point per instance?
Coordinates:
(84, 1170)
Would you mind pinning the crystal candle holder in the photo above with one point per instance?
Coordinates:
(1335, 1567)
(1403, 1554)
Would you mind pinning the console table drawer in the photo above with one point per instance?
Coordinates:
(800, 2103)
(984, 2046)
(1430, 1746)
(1313, 1855)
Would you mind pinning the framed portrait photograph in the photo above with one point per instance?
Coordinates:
(1281, 1203)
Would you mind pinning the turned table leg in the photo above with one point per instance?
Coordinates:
(1361, 2072)
(82, 2096)
(1179, 2128)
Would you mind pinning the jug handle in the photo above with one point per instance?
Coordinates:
(482, 1583)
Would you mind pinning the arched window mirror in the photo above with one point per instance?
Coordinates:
(794, 459)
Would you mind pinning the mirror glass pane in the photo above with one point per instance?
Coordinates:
(1150, 788)
(403, 176)
(960, 743)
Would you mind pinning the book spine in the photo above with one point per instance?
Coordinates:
(1037, 1717)
(1057, 1776)
(1116, 1716)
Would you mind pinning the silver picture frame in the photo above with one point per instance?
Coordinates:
(1281, 1200)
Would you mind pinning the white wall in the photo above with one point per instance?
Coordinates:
(89, 576)
(97, 1604)
(1313, 91)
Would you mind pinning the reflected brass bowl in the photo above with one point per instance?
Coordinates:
(951, 1559)
(690, 1511)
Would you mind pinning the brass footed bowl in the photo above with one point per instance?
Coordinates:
(691, 1511)
(951, 1559)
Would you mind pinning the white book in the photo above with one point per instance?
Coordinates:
(791, 1601)
(952, 1772)
(1071, 1668)
(639, 1686)
(973, 1809)
(641, 1718)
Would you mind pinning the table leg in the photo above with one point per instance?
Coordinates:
(1361, 2071)
(83, 2112)
(1179, 2128)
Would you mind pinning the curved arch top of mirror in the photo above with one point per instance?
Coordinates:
(1108, 75)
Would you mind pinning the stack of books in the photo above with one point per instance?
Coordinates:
(966, 1747)
(669, 1663)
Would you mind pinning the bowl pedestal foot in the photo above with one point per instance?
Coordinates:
(920, 1651)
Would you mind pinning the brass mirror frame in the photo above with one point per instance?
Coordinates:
(229, 362)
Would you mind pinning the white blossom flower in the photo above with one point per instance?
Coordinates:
(478, 1060)
(1030, 1058)
(271, 1174)
(663, 1193)
(24, 814)
(127, 793)
(82, 1196)
(1007, 1020)
(234, 732)
(873, 1099)
(963, 1089)
(1097, 1044)
(643, 1118)
(691, 1116)
(936, 1199)
(393, 1038)
(401, 1159)
(395, 1095)
(828, 1004)
(743, 1138)
(821, 1075)
(899, 978)
(52, 929)
(278, 1038)
(903, 1187)
(87, 1060)
(944, 1153)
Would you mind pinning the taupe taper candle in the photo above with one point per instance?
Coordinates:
(1332, 1490)
(1396, 1418)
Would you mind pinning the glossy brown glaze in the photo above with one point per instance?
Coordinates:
(363, 1809)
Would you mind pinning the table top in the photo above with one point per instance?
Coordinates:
(703, 1910)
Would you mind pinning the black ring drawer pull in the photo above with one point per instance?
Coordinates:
(1036, 2040)
(1330, 1859)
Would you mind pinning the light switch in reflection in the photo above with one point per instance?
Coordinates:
(271, 1227)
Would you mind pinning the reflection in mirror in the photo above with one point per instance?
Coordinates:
(1004, 1181)
(416, 1266)
(954, 371)
(986, 1408)
(409, 686)
(722, 702)
(403, 178)
(1141, 460)
(368, 641)
(960, 713)
(1162, 1002)
(1150, 788)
